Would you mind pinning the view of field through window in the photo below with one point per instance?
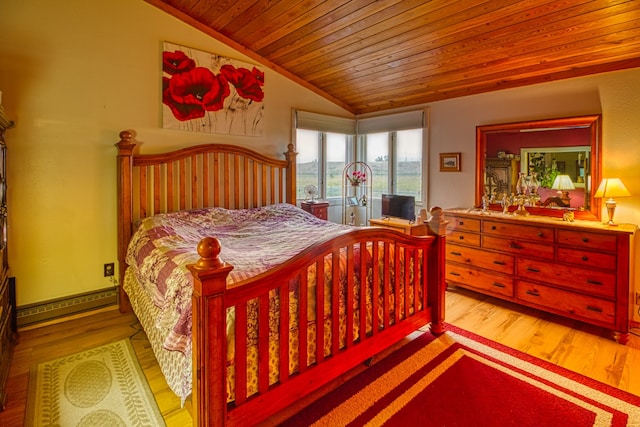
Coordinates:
(407, 167)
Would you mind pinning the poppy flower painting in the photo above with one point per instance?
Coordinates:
(205, 92)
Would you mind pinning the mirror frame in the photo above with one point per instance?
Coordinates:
(593, 122)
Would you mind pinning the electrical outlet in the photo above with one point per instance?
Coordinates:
(109, 270)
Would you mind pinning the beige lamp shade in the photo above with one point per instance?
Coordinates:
(612, 187)
(563, 182)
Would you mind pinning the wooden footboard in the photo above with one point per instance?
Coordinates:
(403, 276)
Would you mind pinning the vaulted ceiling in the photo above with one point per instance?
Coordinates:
(375, 55)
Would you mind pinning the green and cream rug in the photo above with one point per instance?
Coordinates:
(103, 386)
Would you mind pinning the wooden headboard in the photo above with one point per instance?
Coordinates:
(211, 175)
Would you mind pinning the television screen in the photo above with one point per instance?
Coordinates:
(399, 206)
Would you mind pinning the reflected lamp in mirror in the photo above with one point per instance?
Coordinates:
(608, 189)
(563, 184)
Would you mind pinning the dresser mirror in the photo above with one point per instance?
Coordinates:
(555, 163)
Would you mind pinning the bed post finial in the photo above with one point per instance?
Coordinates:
(126, 144)
(209, 250)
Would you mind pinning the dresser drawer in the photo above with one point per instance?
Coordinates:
(495, 261)
(516, 231)
(602, 242)
(593, 282)
(463, 238)
(473, 278)
(462, 223)
(517, 246)
(566, 302)
(586, 258)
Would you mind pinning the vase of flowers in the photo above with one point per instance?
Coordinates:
(356, 178)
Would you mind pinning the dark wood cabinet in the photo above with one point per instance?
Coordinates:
(319, 209)
(580, 269)
(7, 285)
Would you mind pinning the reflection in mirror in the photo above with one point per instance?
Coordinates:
(546, 164)
(521, 163)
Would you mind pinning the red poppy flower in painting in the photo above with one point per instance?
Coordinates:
(193, 92)
(248, 84)
(180, 111)
(176, 62)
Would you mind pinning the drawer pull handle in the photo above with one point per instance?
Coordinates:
(499, 262)
(541, 234)
(456, 253)
(585, 240)
(585, 258)
(594, 282)
(460, 237)
(593, 308)
(453, 273)
(493, 227)
(533, 270)
(533, 293)
(460, 222)
(499, 285)
(514, 245)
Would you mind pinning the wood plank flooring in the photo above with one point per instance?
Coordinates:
(582, 348)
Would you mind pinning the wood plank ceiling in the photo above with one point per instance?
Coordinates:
(375, 55)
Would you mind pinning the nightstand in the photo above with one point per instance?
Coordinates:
(319, 209)
(412, 228)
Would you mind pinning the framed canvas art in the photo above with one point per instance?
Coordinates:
(206, 92)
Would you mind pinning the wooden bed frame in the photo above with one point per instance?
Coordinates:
(235, 177)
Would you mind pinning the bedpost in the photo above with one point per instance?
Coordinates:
(125, 151)
(208, 334)
(290, 155)
(437, 227)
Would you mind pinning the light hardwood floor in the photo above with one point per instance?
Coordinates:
(582, 348)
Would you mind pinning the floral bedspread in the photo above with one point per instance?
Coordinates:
(252, 240)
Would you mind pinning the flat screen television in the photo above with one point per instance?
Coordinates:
(399, 206)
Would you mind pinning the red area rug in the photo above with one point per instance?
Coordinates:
(461, 379)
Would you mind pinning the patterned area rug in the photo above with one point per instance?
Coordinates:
(460, 379)
(104, 386)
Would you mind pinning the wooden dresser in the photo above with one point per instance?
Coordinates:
(581, 270)
(7, 286)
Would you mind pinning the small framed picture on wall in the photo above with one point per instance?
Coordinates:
(449, 162)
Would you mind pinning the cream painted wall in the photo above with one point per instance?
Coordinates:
(73, 75)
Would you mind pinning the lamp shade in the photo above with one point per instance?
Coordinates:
(563, 182)
(611, 187)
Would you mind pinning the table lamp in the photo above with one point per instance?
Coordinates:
(611, 187)
(564, 184)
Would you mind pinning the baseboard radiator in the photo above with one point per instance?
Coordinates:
(49, 310)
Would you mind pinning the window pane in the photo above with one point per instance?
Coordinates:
(307, 160)
(377, 157)
(409, 163)
(336, 153)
